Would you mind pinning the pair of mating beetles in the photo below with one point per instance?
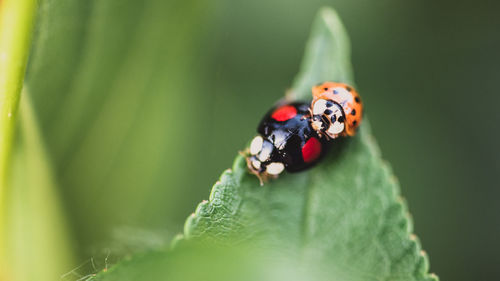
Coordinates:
(294, 136)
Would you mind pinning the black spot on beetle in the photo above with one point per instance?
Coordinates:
(326, 89)
(353, 111)
(334, 118)
(357, 99)
(341, 119)
(348, 88)
(329, 103)
(328, 112)
(354, 122)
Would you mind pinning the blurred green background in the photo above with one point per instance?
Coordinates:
(142, 104)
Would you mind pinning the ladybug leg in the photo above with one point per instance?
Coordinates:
(309, 115)
(326, 125)
(261, 179)
(252, 170)
(323, 134)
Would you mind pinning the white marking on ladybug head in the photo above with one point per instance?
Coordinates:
(335, 110)
(275, 168)
(319, 107)
(326, 116)
(256, 145)
(335, 129)
(265, 152)
(256, 164)
(280, 139)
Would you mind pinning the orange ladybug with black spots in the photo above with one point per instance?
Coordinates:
(336, 110)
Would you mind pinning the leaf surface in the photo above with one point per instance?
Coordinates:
(344, 218)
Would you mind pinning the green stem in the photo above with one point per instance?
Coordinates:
(16, 23)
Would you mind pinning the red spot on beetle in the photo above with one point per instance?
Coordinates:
(311, 150)
(284, 113)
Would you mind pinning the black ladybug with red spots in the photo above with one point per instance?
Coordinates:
(286, 141)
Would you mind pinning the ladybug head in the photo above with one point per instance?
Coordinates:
(263, 160)
(328, 118)
(350, 104)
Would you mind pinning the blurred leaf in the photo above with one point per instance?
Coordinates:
(194, 262)
(32, 227)
(108, 81)
(344, 218)
(16, 22)
(38, 243)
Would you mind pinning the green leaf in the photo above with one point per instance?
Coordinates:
(342, 220)
(16, 20)
(104, 77)
(193, 262)
(32, 226)
(327, 56)
(37, 229)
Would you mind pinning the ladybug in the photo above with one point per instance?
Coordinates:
(336, 110)
(286, 141)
